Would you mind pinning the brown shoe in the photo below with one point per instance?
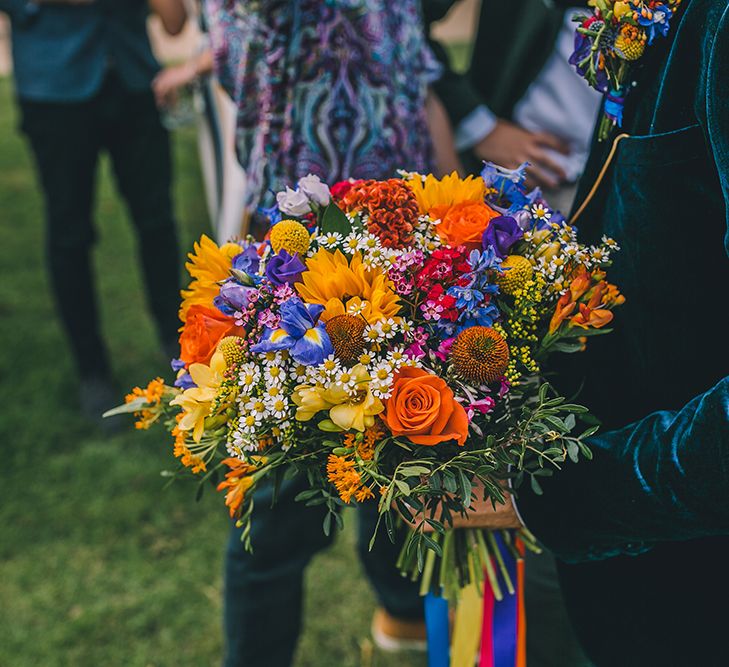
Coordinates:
(394, 634)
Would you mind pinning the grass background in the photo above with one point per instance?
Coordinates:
(98, 564)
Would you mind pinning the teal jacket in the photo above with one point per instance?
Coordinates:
(659, 483)
(61, 53)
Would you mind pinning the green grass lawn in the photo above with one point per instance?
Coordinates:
(99, 565)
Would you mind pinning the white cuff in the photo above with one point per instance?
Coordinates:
(475, 127)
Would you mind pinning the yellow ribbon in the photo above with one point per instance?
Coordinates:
(467, 631)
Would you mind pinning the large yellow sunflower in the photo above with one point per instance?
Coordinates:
(452, 189)
(208, 265)
(347, 287)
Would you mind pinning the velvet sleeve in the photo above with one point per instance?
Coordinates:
(665, 477)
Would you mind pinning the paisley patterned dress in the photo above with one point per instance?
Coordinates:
(330, 87)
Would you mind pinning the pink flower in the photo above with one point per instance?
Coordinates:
(444, 349)
(415, 351)
(483, 405)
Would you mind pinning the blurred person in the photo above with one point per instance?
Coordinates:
(520, 100)
(642, 530)
(83, 72)
(338, 89)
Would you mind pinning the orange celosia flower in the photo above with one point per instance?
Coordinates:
(341, 471)
(238, 480)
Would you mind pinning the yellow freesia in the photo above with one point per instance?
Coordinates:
(346, 412)
(197, 401)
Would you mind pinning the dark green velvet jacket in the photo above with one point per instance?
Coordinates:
(659, 483)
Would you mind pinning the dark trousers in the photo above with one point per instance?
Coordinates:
(264, 589)
(67, 140)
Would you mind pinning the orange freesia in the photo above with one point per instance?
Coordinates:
(203, 330)
(423, 409)
(463, 223)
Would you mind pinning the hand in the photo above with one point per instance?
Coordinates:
(167, 83)
(509, 145)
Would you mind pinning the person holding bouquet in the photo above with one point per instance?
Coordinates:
(643, 529)
(338, 91)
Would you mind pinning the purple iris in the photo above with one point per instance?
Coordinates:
(501, 234)
(283, 268)
(581, 57)
(233, 297)
(247, 261)
(298, 332)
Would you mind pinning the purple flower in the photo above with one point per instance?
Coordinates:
(282, 268)
(233, 297)
(501, 233)
(184, 380)
(247, 261)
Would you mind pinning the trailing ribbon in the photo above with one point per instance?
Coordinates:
(614, 103)
(466, 636)
(503, 641)
(436, 628)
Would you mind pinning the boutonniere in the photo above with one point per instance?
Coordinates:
(607, 43)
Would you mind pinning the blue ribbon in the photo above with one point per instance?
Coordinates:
(614, 104)
(505, 614)
(436, 628)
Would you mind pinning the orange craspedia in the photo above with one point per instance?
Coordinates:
(480, 355)
(463, 223)
(347, 335)
(391, 206)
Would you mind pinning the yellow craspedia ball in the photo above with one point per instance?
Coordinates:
(347, 335)
(480, 355)
(517, 271)
(231, 347)
(291, 236)
(630, 42)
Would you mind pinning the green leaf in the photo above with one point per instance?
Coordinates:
(536, 487)
(327, 525)
(403, 487)
(573, 451)
(135, 406)
(570, 421)
(414, 471)
(333, 220)
(590, 431)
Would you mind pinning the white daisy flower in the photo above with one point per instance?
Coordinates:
(274, 375)
(278, 407)
(249, 376)
(330, 239)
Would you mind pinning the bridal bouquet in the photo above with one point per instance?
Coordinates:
(387, 341)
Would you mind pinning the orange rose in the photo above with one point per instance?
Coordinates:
(203, 330)
(463, 223)
(423, 409)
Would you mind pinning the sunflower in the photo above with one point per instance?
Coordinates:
(432, 193)
(208, 265)
(343, 287)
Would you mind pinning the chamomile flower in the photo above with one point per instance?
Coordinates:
(299, 372)
(249, 376)
(541, 212)
(278, 408)
(386, 328)
(256, 407)
(353, 243)
(347, 381)
(372, 334)
(272, 392)
(330, 239)
(274, 374)
(397, 357)
(610, 243)
(249, 423)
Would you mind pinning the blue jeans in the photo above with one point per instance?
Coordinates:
(264, 589)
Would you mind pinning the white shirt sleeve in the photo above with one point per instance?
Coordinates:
(475, 127)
